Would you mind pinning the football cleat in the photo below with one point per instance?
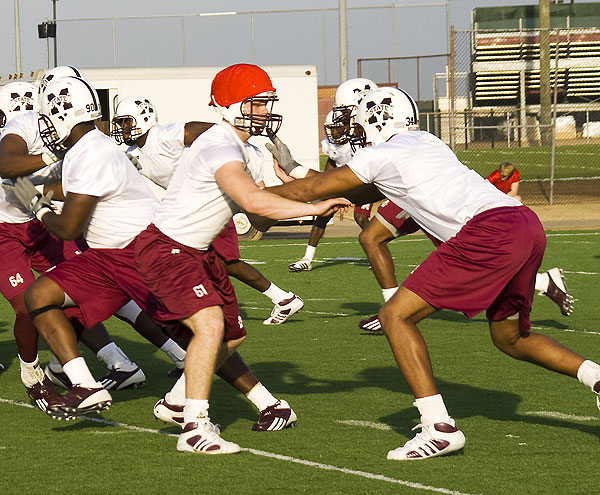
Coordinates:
(59, 378)
(434, 440)
(372, 325)
(118, 380)
(80, 400)
(597, 390)
(44, 395)
(276, 417)
(169, 413)
(1, 367)
(557, 291)
(302, 265)
(200, 437)
(284, 309)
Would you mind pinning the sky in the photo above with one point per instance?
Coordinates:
(264, 38)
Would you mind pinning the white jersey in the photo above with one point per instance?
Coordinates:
(339, 153)
(422, 175)
(25, 125)
(96, 166)
(195, 209)
(162, 150)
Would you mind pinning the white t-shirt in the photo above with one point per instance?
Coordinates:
(195, 209)
(162, 150)
(339, 153)
(96, 166)
(25, 125)
(422, 175)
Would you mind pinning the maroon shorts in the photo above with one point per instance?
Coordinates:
(395, 219)
(100, 282)
(491, 263)
(185, 280)
(226, 243)
(364, 210)
(26, 246)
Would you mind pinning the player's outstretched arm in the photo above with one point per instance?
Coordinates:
(15, 160)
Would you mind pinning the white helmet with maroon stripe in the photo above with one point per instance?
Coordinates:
(64, 103)
(383, 113)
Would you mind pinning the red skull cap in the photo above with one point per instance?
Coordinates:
(238, 82)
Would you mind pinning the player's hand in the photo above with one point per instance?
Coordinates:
(280, 174)
(331, 206)
(34, 201)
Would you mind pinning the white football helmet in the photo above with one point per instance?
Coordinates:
(64, 103)
(336, 132)
(347, 97)
(134, 117)
(383, 113)
(16, 97)
(56, 73)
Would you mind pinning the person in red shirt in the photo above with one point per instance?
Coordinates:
(506, 178)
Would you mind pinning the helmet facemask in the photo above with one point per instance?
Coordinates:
(338, 131)
(50, 136)
(124, 129)
(251, 120)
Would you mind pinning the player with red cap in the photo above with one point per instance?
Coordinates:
(215, 179)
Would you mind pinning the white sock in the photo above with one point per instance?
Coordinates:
(175, 353)
(310, 252)
(177, 394)
(433, 410)
(31, 373)
(275, 294)
(541, 282)
(114, 358)
(54, 364)
(79, 374)
(388, 293)
(195, 409)
(261, 397)
(589, 374)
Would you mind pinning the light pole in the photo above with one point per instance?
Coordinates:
(54, 22)
(17, 38)
(343, 42)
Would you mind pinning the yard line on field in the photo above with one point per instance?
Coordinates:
(325, 313)
(568, 330)
(366, 424)
(363, 474)
(558, 415)
(270, 455)
(570, 234)
(323, 243)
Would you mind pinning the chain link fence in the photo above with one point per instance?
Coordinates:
(496, 93)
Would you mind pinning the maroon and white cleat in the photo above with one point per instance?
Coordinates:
(284, 309)
(201, 438)
(372, 325)
(276, 417)
(434, 440)
(44, 395)
(80, 400)
(169, 413)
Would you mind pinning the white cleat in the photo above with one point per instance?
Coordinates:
(284, 309)
(201, 438)
(117, 379)
(302, 265)
(433, 441)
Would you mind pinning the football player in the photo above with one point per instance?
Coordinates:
(215, 177)
(157, 149)
(26, 244)
(492, 248)
(337, 148)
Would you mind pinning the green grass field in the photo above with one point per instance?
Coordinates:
(528, 430)
(533, 163)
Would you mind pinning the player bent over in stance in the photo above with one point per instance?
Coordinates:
(214, 179)
(493, 246)
(156, 149)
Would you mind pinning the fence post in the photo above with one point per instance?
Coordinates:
(452, 85)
